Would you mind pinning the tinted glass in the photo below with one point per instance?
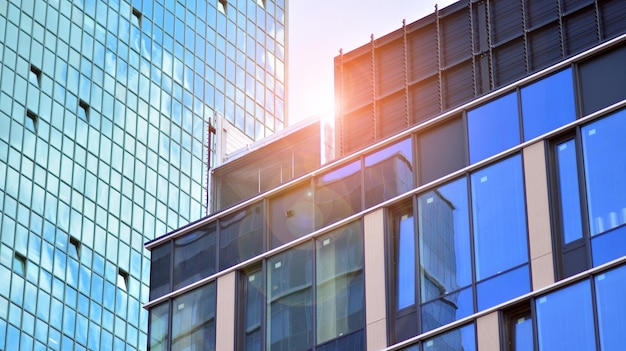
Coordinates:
(291, 215)
(194, 256)
(565, 319)
(445, 254)
(548, 104)
(457, 339)
(567, 168)
(608, 246)
(602, 80)
(160, 270)
(503, 287)
(388, 173)
(338, 194)
(241, 235)
(442, 150)
(339, 277)
(406, 261)
(289, 292)
(610, 288)
(159, 320)
(605, 162)
(253, 307)
(522, 334)
(447, 309)
(193, 320)
(493, 127)
(499, 217)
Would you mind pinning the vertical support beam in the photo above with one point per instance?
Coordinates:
(225, 312)
(405, 64)
(487, 332)
(538, 209)
(373, 82)
(375, 292)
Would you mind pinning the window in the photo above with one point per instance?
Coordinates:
(602, 80)
(591, 196)
(160, 270)
(137, 17)
(122, 279)
(463, 338)
(241, 235)
(193, 319)
(222, 5)
(159, 330)
(74, 248)
(194, 256)
(468, 241)
(611, 307)
(493, 128)
(291, 215)
(450, 143)
(251, 320)
(35, 76)
(31, 121)
(519, 329)
(338, 194)
(388, 172)
(19, 264)
(83, 110)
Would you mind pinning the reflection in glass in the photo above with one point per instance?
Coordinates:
(406, 261)
(608, 246)
(289, 292)
(447, 309)
(339, 278)
(160, 267)
(338, 194)
(565, 319)
(388, 173)
(444, 240)
(568, 191)
(605, 162)
(611, 306)
(503, 287)
(194, 256)
(522, 338)
(159, 320)
(241, 236)
(493, 127)
(548, 104)
(254, 299)
(499, 217)
(193, 319)
(457, 339)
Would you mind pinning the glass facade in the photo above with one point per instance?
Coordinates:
(104, 112)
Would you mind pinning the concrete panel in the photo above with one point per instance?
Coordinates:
(225, 314)
(375, 300)
(488, 332)
(542, 271)
(377, 335)
(538, 208)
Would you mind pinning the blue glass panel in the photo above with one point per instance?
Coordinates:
(568, 191)
(523, 335)
(499, 214)
(493, 127)
(608, 246)
(445, 255)
(241, 236)
(611, 306)
(194, 256)
(388, 173)
(193, 319)
(447, 309)
(503, 287)
(605, 162)
(159, 320)
(406, 263)
(548, 104)
(463, 338)
(338, 194)
(565, 319)
(254, 301)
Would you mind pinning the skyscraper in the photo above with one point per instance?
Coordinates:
(105, 113)
(478, 202)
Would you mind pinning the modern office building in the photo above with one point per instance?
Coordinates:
(105, 112)
(477, 202)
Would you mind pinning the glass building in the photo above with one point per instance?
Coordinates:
(478, 202)
(106, 113)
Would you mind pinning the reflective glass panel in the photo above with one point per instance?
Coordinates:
(442, 150)
(522, 338)
(338, 194)
(194, 256)
(499, 215)
(291, 215)
(548, 104)
(388, 173)
(604, 163)
(193, 319)
(289, 293)
(241, 235)
(339, 282)
(406, 261)
(608, 246)
(463, 338)
(160, 268)
(159, 320)
(567, 168)
(503, 287)
(445, 256)
(493, 127)
(447, 309)
(254, 299)
(610, 287)
(565, 319)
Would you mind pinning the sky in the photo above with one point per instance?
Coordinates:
(318, 29)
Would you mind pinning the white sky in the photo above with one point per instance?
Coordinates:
(318, 29)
